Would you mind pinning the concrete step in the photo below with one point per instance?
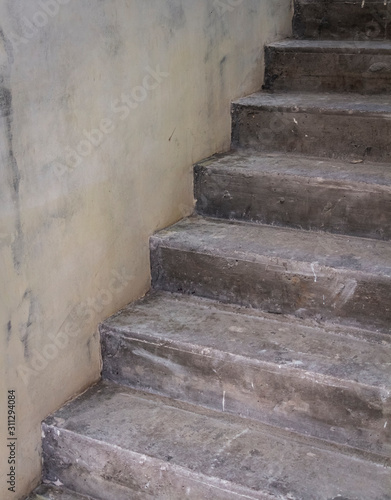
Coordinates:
(346, 126)
(329, 66)
(278, 270)
(48, 492)
(297, 191)
(331, 383)
(116, 443)
(342, 19)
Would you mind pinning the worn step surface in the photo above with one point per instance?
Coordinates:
(342, 19)
(296, 191)
(47, 492)
(277, 269)
(329, 66)
(331, 125)
(113, 442)
(256, 365)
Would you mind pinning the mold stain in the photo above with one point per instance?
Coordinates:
(173, 20)
(9, 331)
(6, 113)
(89, 349)
(113, 40)
(177, 14)
(25, 330)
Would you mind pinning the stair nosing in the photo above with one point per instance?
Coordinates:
(347, 104)
(197, 346)
(137, 455)
(263, 428)
(307, 374)
(253, 162)
(332, 46)
(161, 239)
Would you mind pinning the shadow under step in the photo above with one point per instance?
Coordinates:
(330, 383)
(279, 270)
(113, 442)
(296, 191)
(346, 126)
(329, 66)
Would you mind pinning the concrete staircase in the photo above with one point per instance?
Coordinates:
(259, 366)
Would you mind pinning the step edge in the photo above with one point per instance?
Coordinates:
(57, 490)
(343, 47)
(261, 428)
(257, 170)
(161, 240)
(383, 391)
(236, 488)
(309, 108)
(355, 333)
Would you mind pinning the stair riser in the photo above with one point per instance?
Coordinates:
(299, 202)
(327, 72)
(282, 287)
(342, 20)
(277, 395)
(107, 473)
(355, 136)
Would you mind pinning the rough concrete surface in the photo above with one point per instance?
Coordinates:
(333, 125)
(276, 269)
(280, 386)
(104, 107)
(113, 442)
(328, 66)
(256, 365)
(342, 19)
(296, 191)
(47, 492)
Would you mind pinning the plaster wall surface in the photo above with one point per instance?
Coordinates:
(104, 107)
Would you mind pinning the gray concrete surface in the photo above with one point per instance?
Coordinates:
(346, 126)
(114, 443)
(342, 19)
(48, 492)
(256, 365)
(280, 387)
(328, 66)
(279, 270)
(297, 191)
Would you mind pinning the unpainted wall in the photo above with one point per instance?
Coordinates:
(104, 107)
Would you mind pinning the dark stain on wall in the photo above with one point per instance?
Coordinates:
(9, 330)
(89, 349)
(25, 333)
(5, 102)
(172, 20)
(222, 65)
(112, 39)
(177, 14)
(6, 114)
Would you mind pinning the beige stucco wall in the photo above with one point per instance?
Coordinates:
(75, 226)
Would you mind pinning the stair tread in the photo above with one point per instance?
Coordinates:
(342, 46)
(258, 163)
(213, 448)
(326, 103)
(285, 342)
(249, 241)
(47, 492)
